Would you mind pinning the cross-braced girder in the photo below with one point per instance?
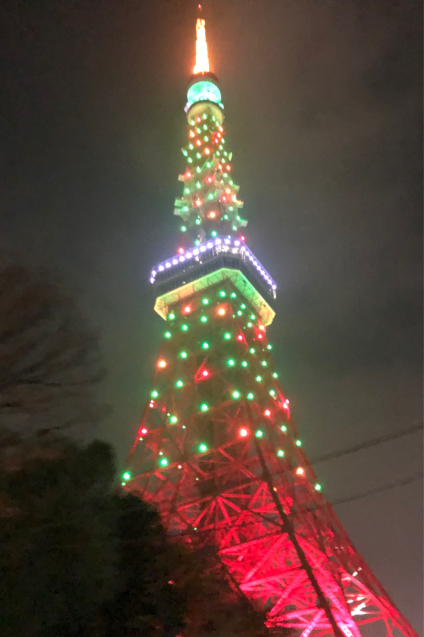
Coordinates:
(215, 398)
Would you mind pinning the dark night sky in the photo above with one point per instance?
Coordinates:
(323, 107)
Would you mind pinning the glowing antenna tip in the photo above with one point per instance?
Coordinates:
(202, 59)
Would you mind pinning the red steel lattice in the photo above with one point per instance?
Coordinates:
(217, 408)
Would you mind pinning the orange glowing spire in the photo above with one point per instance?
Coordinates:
(202, 59)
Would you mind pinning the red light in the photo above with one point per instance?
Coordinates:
(267, 412)
(239, 337)
(205, 373)
(198, 119)
(243, 238)
(260, 336)
(261, 327)
(144, 430)
(180, 250)
(187, 309)
(209, 180)
(243, 433)
(151, 404)
(300, 471)
(162, 363)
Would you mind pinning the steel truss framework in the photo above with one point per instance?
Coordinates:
(216, 407)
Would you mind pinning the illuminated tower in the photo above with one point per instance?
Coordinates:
(217, 451)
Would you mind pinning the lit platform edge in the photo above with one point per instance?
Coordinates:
(213, 248)
(238, 279)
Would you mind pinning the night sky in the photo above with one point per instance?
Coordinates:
(323, 115)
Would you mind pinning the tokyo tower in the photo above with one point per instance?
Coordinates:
(217, 452)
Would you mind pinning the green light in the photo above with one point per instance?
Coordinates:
(173, 420)
(227, 335)
(233, 295)
(183, 354)
(280, 453)
(203, 91)
(154, 394)
(126, 475)
(198, 155)
(269, 346)
(243, 307)
(205, 345)
(184, 327)
(204, 407)
(186, 191)
(206, 138)
(205, 301)
(198, 184)
(231, 362)
(167, 334)
(222, 294)
(164, 462)
(259, 434)
(258, 379)
(171, 316)
(252, 316)
(298, 443)
(239, 313)
(250, 396)
(179, 383)
(214, 233)
(264, 363)
(271, 392)
(283, 428)
(236, 394)
(189, 160)
(204, 319)
(234, 228)
(191, 146)
(275, 375)
(183, 229)
(244, 363)
(249, 324)
(203, 447)
(252, 350)
(318, 487)
(184, 152)
(198, 221)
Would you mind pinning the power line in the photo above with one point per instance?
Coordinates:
(366, 444)
(386, 487)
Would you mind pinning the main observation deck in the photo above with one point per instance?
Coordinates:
(216, 260)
